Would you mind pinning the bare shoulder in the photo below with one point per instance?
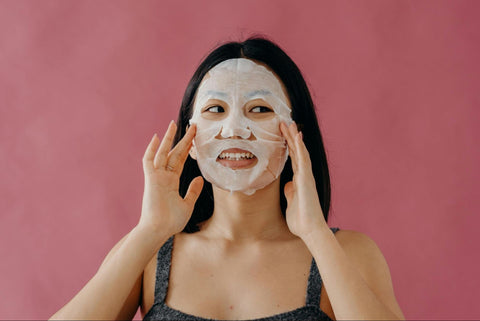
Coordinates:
(367, 257)
(354, 240)
(362, 251)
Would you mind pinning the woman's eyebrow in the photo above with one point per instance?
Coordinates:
(257, 92)
(215, 93)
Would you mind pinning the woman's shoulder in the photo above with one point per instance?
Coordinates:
(366, 256)
(349, 236)
(364, 253)
(356, 243)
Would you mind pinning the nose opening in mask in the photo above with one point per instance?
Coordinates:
(230, 132)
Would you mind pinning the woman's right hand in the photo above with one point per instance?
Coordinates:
(163, 209)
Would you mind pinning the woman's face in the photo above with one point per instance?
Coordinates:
(238, 109)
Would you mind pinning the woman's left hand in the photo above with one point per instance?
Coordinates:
(304, 213)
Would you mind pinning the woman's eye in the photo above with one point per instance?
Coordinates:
(215, 109)
(260, 109)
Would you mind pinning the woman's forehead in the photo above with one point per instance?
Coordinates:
(242, 76)
(241, 69)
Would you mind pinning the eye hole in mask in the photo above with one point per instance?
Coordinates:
(256, 110)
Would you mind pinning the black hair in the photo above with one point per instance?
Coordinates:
(263, 50)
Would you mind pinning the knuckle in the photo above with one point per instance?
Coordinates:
(173, 160)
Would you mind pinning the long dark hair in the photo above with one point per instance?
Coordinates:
(303, 113)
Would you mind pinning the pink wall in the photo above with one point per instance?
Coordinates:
(85, 84)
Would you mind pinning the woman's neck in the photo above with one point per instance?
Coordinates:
(247, 218)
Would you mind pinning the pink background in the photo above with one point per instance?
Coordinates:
(85, 84)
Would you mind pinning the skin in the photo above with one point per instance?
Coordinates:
(236, 216)
(246, 262)
(274, 266)
(248, 244)
(244, 231)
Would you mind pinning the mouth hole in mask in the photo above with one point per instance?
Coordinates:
(235, 158)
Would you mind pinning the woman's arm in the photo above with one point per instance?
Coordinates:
(130, 307)
(108, 295)
(104, 296)
(355, 274)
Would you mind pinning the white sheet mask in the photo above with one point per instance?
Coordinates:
(236, 82)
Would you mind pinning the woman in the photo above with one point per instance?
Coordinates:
(234, 217)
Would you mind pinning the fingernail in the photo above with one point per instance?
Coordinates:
(301, 135)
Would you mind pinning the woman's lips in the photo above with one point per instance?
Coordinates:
(242, 163)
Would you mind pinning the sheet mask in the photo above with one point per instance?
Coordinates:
(236, 82)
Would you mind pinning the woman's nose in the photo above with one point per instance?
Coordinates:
(235, 132)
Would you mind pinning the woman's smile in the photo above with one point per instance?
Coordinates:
(236, 158)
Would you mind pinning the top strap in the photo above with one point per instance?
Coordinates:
(164, 259)
(314, 286)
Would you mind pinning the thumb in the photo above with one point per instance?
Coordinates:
(288, 190)
(193, 192)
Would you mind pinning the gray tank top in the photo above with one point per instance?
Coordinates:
(160, 311)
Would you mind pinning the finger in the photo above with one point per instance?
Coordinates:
(293, 130)
(288, 190)
(290, 143)
(150, 153)
(286, 134)
(303, 158)
(295, 134)
(161, 156)
(178, 155)
(193, 192)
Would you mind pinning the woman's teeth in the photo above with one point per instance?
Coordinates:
(236, 156)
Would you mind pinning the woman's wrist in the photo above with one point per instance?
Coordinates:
(313, 236)
(157, 236)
